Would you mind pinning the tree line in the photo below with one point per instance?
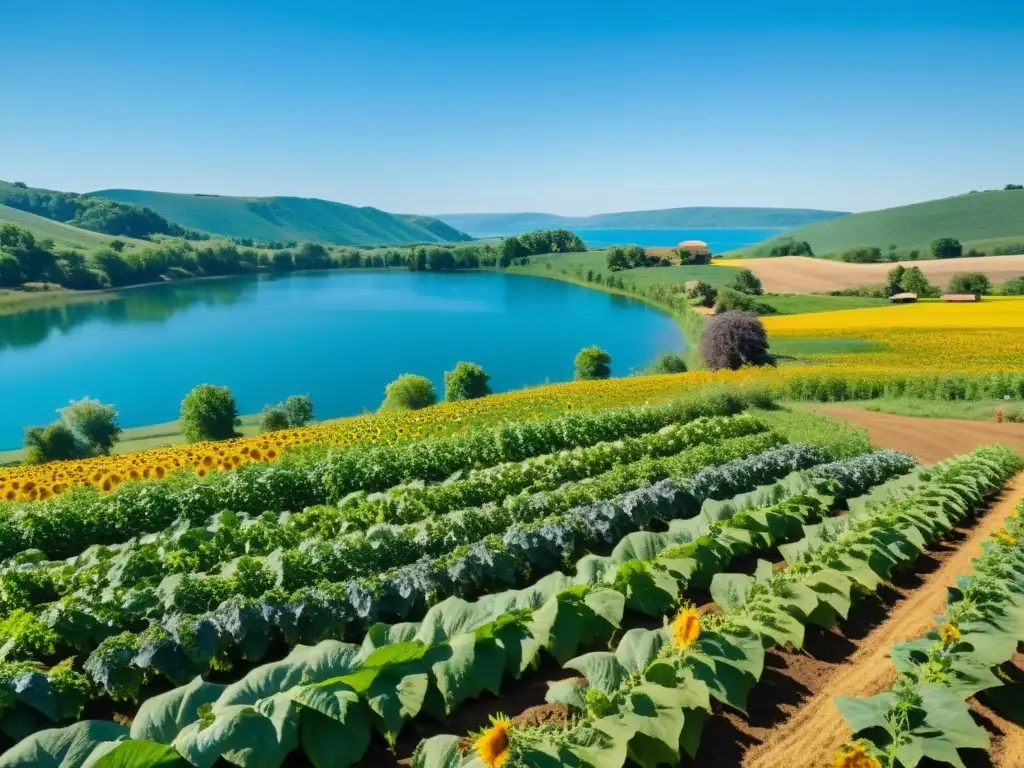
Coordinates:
(93, 213)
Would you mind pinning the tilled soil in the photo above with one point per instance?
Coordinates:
(794, 721)
(929, 440)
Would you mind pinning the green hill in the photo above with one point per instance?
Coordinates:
(283, 219)
(497, 224)
(982, 220)
(63, 235)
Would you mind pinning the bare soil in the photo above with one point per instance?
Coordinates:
(801, 274)
(802, 727)
(929, 440)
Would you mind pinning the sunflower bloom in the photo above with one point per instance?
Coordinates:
(854, 756)
(949, 633)
(491, 745)
(685, 628)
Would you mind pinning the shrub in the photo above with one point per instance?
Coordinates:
(734, 301)
(93, 424)
(1014, 287)
(704, 294)
(466, 382)
(55, 442)
(947, 248)
(299, 410)
(863, 254)
(732, 340)
(747, 282)
(668, 364)
(593, 363)
(792, 248)
(273, 419)
(208, 413)
(408, 392)
(970, 282)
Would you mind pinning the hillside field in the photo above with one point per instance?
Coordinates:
(981, 220)
(63, 235)
(802, 274)
(284, 219)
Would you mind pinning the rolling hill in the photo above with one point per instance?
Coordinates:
(497, 224)
(980, 219)
(288, 218)
(63, 235)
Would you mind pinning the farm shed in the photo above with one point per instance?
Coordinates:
(695, 247)
(903, 298)
(961, 297)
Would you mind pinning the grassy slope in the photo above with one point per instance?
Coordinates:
(489, 224)
(565, 265)
(64, 235)
(288, 218)
(982, 220)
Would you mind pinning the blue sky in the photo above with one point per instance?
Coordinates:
(567, 107)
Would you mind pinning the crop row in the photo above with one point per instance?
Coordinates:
(67, 524)
(648, 700)
(314, 545)
(460, 649)
(925, 711)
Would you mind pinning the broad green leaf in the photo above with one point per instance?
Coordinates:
(59, 747)
(730, 591)
(439, 752)
(642, 545)
(572, 692)
(452, 665)
(162, 717)
(253, 737)
(865, 714)
(139, 754)
(638, 648)
(330, 744)
(602, 670)
(607, 604)
(656, 714)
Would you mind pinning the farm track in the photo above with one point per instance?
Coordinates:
(809, 727)
(801, 274)
(928, 440)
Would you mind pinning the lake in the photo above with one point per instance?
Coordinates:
(338, 337)
(719, 240)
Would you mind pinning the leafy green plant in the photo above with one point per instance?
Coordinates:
(208, 413)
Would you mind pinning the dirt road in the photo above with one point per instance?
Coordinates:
(800, 274)
(929, 440)
(815, 729)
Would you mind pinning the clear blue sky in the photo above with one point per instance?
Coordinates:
(569, 107)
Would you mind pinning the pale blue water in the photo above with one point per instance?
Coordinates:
(339, 337)
(719, 240)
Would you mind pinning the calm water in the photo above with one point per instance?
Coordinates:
(339, 337)
(720, 240)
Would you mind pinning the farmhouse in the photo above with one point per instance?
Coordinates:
(695, 247)
(961, 297)
(903, 298)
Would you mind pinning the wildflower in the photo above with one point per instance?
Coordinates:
(685, 628)
(1003, 536)
(854, 756)
(491, 745)
(949, 634)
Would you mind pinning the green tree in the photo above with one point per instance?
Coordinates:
(299, 410)
(93, 424)
(894, 280)
(704, 294)
(593, 363)
(273, 419)
(208, 413)
(668, 364)
(947, 248)
(971, 282)
(747, 282)
(862, 254)
(466, 381)
(616, 259)
(1013, 287)
(409, 392)
(511, 249)
(51, 443)
(732, 340)
(915, 281)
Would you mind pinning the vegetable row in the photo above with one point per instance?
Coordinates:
(461, 648)
(925, 713)
(647, 701)
(313, 545)
(67, 524)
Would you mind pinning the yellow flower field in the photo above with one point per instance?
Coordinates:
(987, 336)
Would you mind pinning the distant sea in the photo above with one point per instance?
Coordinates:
(719, 240)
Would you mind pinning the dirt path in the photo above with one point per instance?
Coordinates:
(930, 440)
(815, 729)
(800, 274)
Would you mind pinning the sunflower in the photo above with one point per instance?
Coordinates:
(492, 744)
(1004, 537)
(202, 471)
(949, 633)
(685, 628)
(854, 756)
